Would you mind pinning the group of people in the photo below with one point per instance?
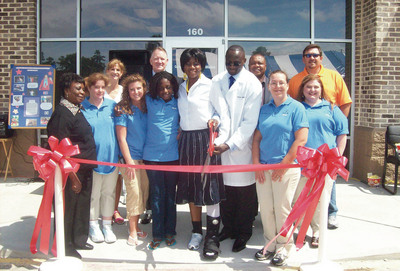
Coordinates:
(255, 120)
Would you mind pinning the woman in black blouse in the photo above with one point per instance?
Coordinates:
(67, 121)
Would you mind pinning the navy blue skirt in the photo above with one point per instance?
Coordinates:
(193, 147)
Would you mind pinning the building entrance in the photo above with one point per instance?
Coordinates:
(212, 47)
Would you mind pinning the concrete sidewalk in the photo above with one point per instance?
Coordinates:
(368, 237)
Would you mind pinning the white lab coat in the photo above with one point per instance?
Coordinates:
(244, 101)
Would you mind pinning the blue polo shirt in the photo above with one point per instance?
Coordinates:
(162, 129)
(102, 122)
(325, 124)
(136, 126)
(277, 126)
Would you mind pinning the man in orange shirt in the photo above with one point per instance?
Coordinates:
(334, 85)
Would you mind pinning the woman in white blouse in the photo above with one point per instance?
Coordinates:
(197, 114)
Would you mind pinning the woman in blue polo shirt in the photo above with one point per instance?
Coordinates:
(327, 125)
(161, 148)
(99, 112)
(131, 126)
(282, 128)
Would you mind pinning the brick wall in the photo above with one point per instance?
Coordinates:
(377, 92)
(377, 82)
(17, 46)
(17, 41)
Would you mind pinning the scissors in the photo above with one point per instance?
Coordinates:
(213, 135)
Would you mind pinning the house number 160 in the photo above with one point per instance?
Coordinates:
(195, 31)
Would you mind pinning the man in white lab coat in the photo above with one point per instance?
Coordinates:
(242, 92)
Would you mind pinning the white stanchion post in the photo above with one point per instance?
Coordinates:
(62, 262)
(59, 210)
(323, 262)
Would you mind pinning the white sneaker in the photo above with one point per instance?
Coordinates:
(109, 235)
(95, 234)
(332, 223)
(195, 241)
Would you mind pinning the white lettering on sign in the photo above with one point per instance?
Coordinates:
(195, 31)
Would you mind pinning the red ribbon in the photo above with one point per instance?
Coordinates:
(316, 165)
(194, 169)
(45, 162)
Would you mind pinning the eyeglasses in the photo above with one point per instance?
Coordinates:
(274, 84)
(234, 63)
(312, 55)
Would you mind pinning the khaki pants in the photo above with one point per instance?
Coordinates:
(275, 199)
(103, 194)
(137, 190)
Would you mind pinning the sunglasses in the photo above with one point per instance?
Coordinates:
(312, 55)
(234, 63)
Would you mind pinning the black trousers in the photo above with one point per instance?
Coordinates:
(77, 210)
(238, 210)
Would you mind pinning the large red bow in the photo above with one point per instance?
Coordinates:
(316, 165)
(45, 162)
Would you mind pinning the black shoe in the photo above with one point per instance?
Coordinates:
(72, 252)
(263, 257)
(146, 219)
(239, 244)
(86, 246)
(223, 235)
(279, 259)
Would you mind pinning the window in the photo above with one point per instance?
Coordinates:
(122, 18)
(61, 54)
(286, 56)
(269, 19)
(134, 55)
(330, 19)
(57, 19)
(195, 18)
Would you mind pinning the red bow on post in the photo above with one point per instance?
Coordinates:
(316, 165)
(45, 162)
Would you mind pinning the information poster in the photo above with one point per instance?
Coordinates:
(32, 96)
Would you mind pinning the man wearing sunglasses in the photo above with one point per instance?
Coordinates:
(242, 92)
(334, 85)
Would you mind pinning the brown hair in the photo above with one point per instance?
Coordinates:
(312, 46)
(94, 77)
(124, 106)
(281, 72)
(308, 78)
(118, 62)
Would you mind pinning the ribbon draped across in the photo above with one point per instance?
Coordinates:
(316, 165)
(45, 162)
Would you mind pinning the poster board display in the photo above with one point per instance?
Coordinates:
(31, 96)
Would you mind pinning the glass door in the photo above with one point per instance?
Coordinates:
(212, 47)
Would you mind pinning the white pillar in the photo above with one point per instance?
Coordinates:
(323, 262)
(62, 262)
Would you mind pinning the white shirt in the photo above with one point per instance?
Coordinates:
(118, 97)
(244, 101)
(195, 108)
